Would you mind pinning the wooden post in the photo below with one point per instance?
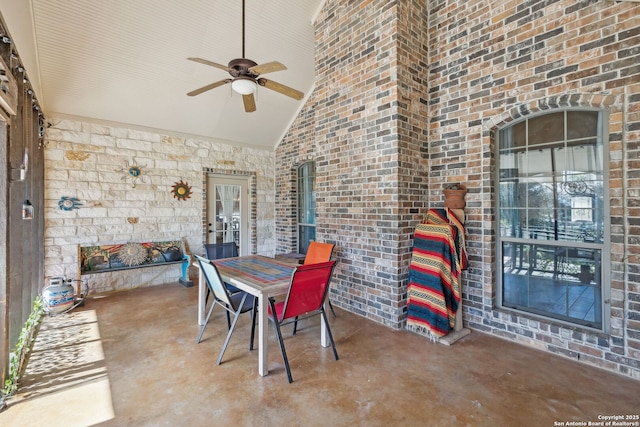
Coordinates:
(458, 331)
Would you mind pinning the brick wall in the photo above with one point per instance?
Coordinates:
(492, 63)
(87, 161)
(366, 133)
(408, 99)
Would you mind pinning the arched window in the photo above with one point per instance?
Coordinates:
(551, 218)
(306, 205)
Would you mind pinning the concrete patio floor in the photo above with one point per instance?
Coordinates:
(130, 359)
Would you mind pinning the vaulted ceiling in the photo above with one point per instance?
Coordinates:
(124, 62)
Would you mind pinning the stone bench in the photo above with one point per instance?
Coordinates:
(125, 256)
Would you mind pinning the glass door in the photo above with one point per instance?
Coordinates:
(227, 211)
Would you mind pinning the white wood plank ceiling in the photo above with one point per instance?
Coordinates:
(124, 61)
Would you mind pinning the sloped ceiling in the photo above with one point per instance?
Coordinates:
(124, 61)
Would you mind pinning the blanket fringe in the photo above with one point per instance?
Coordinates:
(421, 330)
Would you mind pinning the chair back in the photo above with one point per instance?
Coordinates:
(214, 281)
(318, 252)
(308, 289)
(221, 250)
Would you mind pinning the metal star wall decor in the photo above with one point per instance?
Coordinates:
(133, 173)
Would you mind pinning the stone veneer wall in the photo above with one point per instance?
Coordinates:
(489, 63)
(88, 161)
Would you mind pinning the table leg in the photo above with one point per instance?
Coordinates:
(202, 287)
(324, 336)
(263, 354)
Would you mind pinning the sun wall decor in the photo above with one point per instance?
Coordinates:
(181, 190)
(69, 203)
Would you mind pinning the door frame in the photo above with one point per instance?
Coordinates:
(246, 207)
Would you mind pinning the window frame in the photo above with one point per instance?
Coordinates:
(302, 173)
(604, 246)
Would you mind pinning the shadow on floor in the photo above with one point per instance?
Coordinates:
(130, 359)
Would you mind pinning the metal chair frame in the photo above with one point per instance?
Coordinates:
(318, 252)
(234, 304)
(219, 251)
(302, 301)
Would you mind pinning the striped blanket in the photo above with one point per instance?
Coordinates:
(438, 257)
(446, 216)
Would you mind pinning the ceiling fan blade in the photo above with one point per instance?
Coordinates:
(249, 103)
(279, 87)
(269, 67)
(209, 87)
(210, 63)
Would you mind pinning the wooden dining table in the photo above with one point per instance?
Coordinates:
(262, 277)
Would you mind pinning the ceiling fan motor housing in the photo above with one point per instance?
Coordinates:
(240, 67)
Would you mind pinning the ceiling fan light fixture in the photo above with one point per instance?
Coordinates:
(245, 73)
(244, 86)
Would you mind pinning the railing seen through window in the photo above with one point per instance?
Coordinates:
(551, 217)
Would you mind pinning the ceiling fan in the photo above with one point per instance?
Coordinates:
(245, 81)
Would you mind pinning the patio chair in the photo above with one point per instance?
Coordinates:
(305, 298)
(219, 251)
(234, 304)
(317, 252)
